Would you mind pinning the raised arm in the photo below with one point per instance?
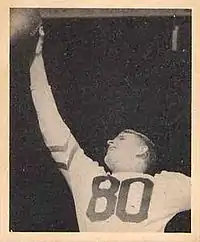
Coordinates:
(64, 148)
(56, 134)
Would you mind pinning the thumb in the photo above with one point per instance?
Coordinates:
(39, 46)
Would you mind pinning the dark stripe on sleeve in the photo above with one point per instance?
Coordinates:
(62, 165)
(59, 148)
(71, 155)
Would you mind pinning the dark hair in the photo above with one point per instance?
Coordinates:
(150, 154)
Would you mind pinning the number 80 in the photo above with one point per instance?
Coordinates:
(111, 198)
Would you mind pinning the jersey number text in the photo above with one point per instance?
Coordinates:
(118, 206)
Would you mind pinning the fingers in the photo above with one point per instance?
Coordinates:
(40, 41)
(41, 31)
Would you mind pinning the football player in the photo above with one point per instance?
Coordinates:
(127, 199)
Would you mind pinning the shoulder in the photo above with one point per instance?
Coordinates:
(173, 176)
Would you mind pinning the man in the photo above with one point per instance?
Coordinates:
(125, 200)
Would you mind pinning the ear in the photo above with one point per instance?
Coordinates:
(142, 150)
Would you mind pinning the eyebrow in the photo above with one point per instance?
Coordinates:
(123, 135)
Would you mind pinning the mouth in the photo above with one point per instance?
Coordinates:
(111, 148)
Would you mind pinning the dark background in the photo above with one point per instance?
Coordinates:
(107, 74)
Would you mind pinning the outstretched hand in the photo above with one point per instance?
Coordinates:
(37, 56)
(40, 42)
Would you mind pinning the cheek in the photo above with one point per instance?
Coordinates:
(126, 148)
(121, 155)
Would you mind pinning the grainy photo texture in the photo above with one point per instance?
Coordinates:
(100, 120)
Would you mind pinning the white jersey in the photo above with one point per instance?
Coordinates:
(123, 202)
(119, 202)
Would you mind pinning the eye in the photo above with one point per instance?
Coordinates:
(121, 138)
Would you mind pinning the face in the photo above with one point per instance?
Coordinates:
(122, 152)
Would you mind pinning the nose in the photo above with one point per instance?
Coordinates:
(110, 142)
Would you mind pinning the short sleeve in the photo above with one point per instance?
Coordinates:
(177, 188)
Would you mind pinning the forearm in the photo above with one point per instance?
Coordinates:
(38, 74)
(54, 130)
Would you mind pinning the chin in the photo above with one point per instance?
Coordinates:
(110, 163)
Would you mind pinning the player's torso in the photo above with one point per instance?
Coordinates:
(122, 202)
